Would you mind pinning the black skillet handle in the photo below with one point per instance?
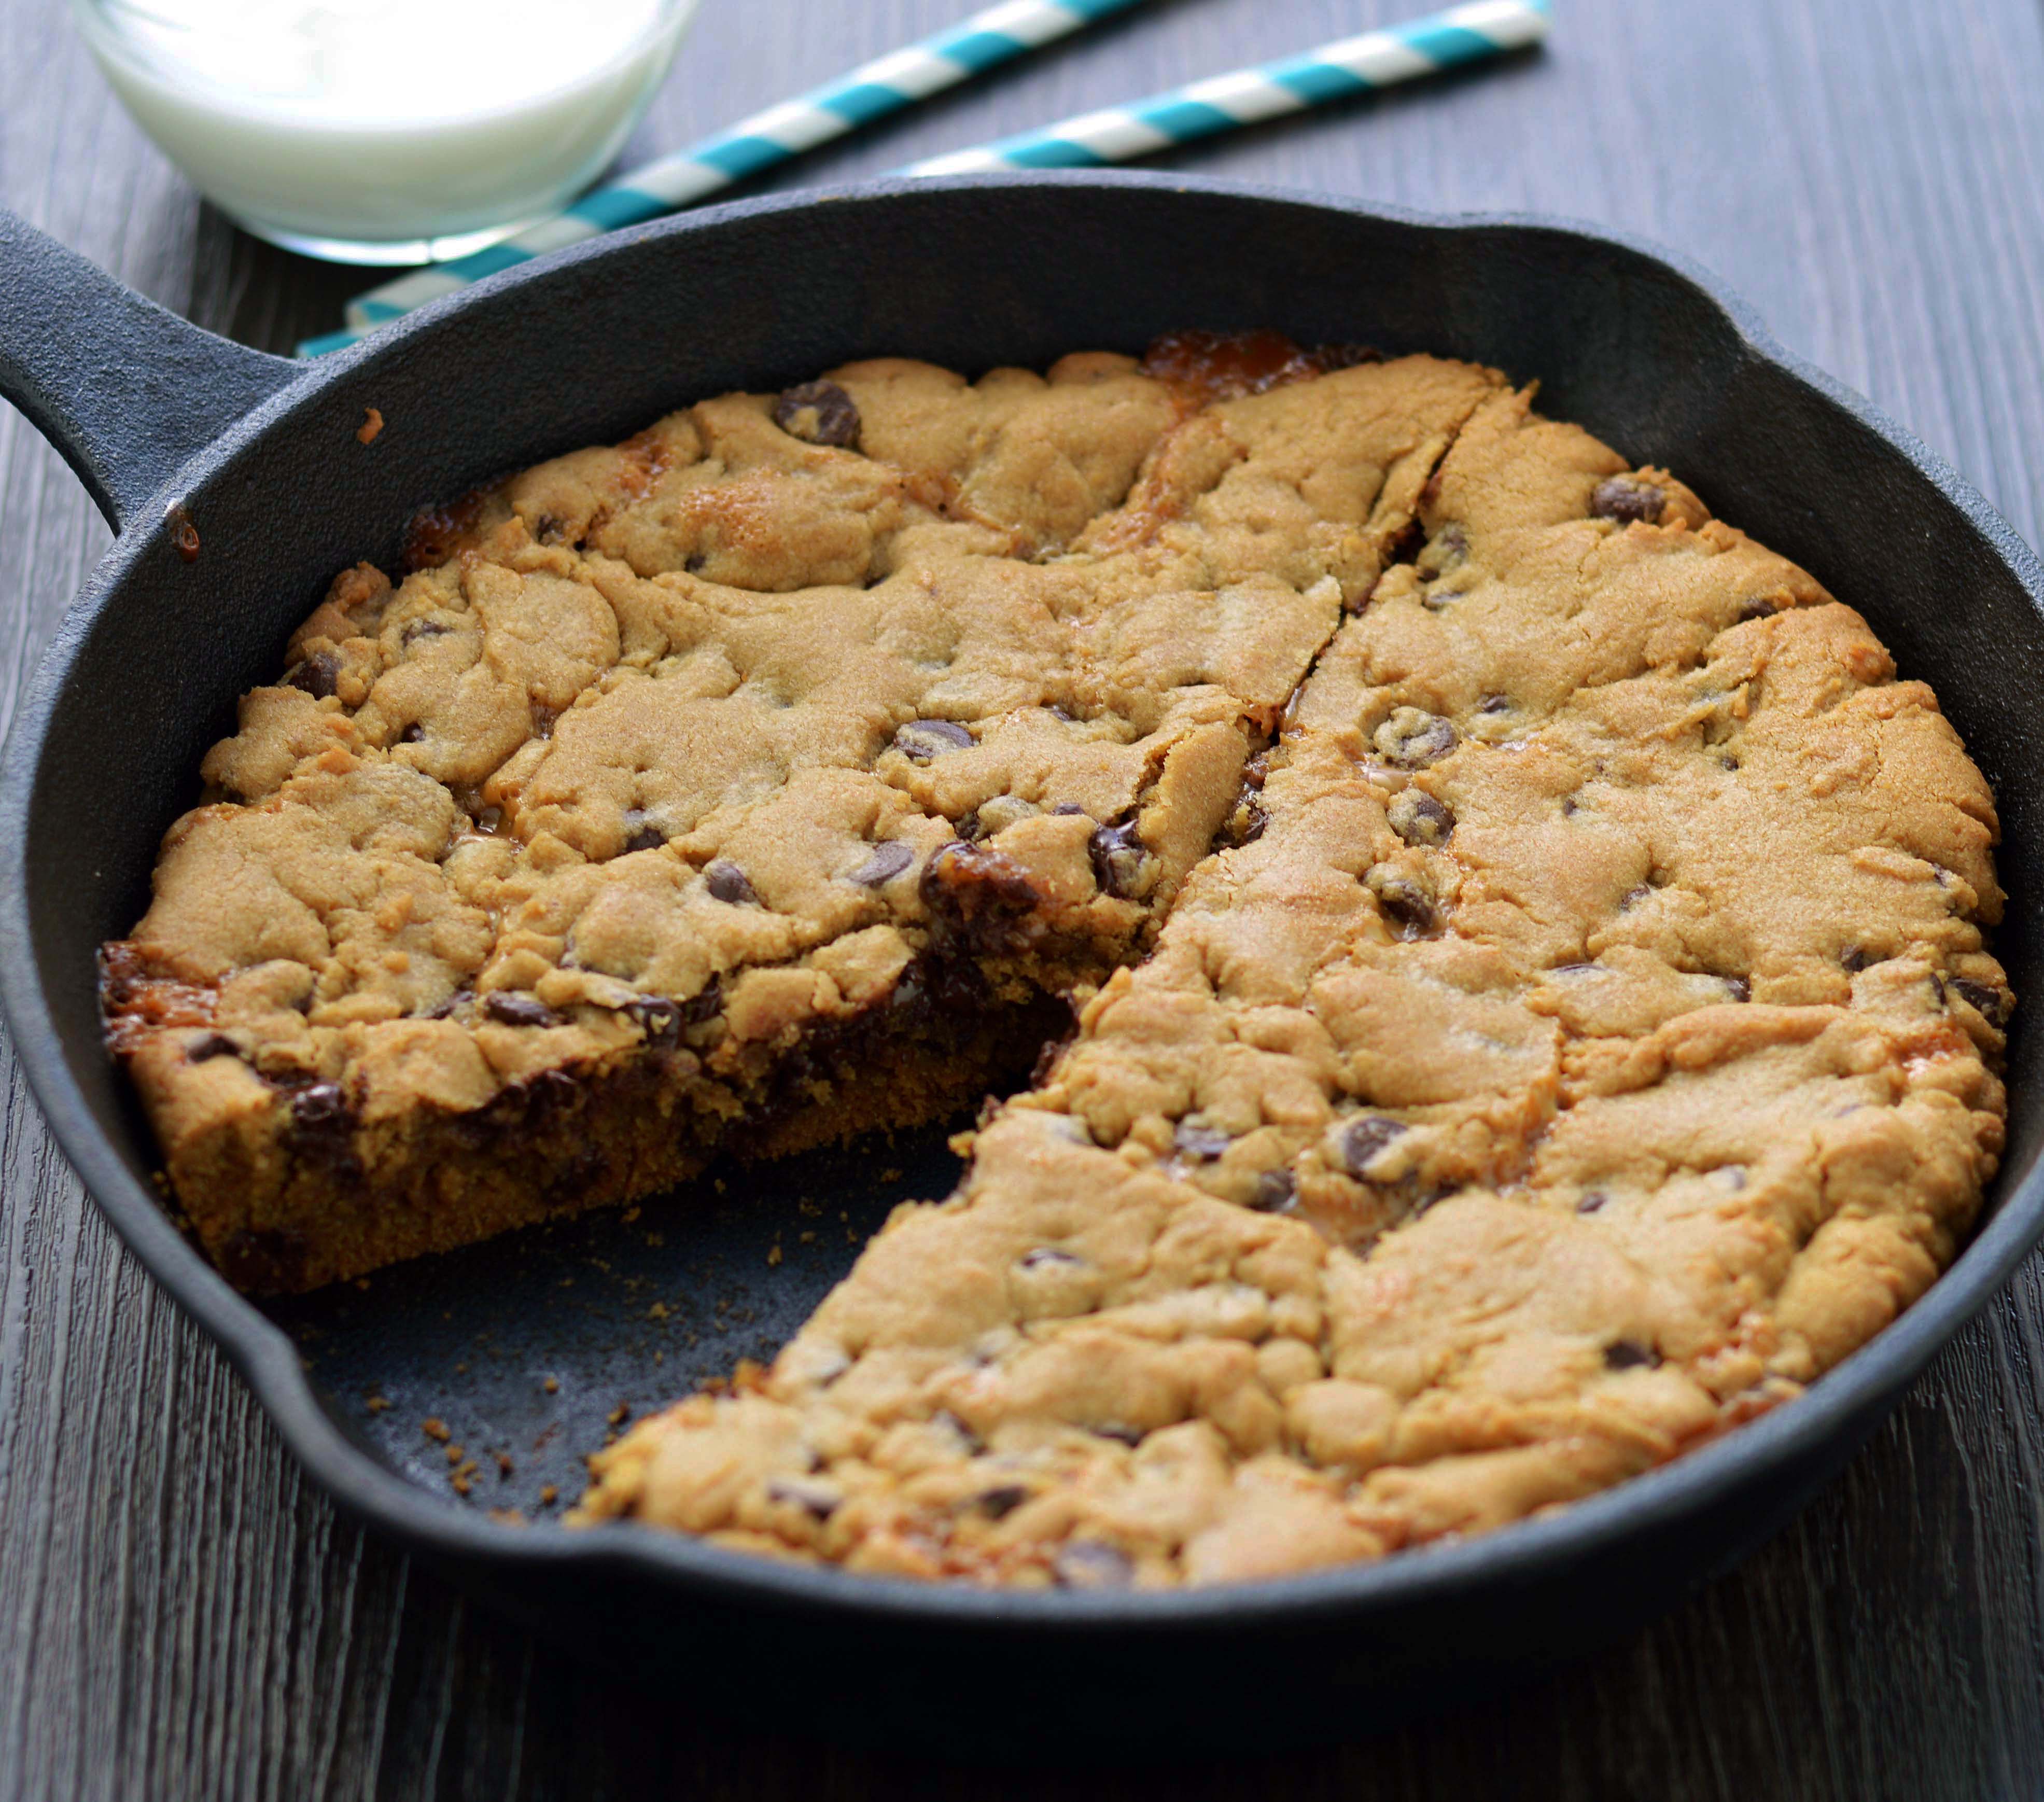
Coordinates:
(128, 391)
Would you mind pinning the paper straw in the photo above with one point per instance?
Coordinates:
(1354, 65)
(1350, 66)
(873, 90)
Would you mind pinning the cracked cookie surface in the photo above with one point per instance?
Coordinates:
(760, 780)
(1582, 1038)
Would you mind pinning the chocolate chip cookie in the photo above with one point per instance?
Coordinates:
(1532, 1011)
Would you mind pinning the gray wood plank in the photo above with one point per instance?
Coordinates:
(180, 1615)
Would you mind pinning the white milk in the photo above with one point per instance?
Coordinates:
(371, 127)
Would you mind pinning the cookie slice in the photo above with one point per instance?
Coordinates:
(1589, 1040)
(768, 779)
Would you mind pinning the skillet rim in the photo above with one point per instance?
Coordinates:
(1521, 1552)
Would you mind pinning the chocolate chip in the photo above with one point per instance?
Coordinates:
(887, 862)
(1633, 897)
(1629, 1354)
(1275, 1191)
(920, 740)
(1044, 1255)
(1404, 900)
(1412, 738)
(1420, 820)
(1066, 808)
(998, 1505)
(659, 1018)
(412, 734)
(1201, 1142)
(1855, 960)
(514, 1009)
(1738, 987)
(1121, 1435)
(980, 895)
(1626, 497)
(640, 833)
(423, 628)
(814, 1499)
(319, 1104)
(1757, 607)
(1088, 1564)
(316, 675)
(1117, 855)
(459, 999)
(1363, 1138)
(1495, 703)
(212, 1045)
(322, 1130)
(1992, 1004)
(1592, 1202)
(705, 1005)
(726, 882)
(819, 413)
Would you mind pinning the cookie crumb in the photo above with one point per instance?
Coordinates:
(183, 533)
(372, 423)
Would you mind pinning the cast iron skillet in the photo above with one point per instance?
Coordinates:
(166, 424)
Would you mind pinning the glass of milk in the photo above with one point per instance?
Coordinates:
(386, 131)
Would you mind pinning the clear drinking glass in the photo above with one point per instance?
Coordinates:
(386, 130)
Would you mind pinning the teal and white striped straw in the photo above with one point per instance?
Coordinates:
(1350, 66)
(886, 85)
(1354, 65)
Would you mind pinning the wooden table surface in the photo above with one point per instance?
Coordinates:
(181, 1615)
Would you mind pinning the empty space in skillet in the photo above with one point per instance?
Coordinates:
(619, 1311)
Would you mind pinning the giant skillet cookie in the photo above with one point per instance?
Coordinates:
(1531, 1009)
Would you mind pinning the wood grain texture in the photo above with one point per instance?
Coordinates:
(180, 1616)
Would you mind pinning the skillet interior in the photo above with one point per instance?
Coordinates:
(594, 344)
